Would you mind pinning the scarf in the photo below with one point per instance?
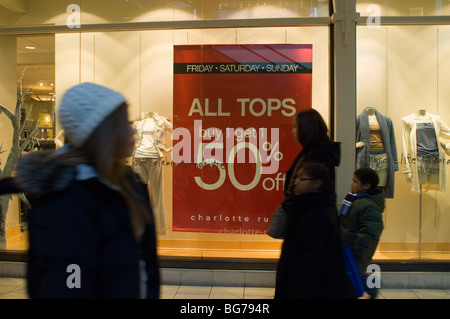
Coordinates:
(348, 202)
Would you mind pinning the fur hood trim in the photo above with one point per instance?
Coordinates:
(39, 173)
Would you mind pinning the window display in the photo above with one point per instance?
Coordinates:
(423, 154)
(27, 121)
(408, 86)
(376, 147)
(400, 71)
(147, 161)
(114, 59)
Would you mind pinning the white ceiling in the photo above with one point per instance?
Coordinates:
(43, 43)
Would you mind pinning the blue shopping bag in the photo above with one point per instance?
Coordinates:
(353, 272)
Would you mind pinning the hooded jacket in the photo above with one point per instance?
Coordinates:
(328, 154)
(362, 227)
(78, 219)
(312, 264)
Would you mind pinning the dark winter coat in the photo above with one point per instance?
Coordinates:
(86, 223)
(328, 154)
(361, 228)
(312, 263)
(8, 185)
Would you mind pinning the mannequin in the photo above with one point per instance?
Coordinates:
(426, 177)
(375, 138)
(424, 156)
(151, 130)
(376, 147)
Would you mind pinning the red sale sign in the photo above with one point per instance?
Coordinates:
(234, 107)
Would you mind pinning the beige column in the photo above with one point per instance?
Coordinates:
(344, 19)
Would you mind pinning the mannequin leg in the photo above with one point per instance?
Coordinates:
(151, 175)
(432, 179)
(142, 171)
(156, 195)
(383, 176)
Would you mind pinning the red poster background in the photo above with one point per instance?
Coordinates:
(198, 77)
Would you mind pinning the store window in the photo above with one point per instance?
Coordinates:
(400, 72)
(403, 8)
(29, 85)
(401, 78)
(83, 12)
(140, 64)
(205, 208)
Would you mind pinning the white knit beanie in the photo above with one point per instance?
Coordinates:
(84, 107)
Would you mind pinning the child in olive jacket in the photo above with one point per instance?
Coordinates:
(362, 226)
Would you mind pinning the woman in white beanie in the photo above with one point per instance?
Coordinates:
(91, 227)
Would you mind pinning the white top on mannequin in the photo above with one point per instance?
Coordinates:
(151, 129)
(422, 117)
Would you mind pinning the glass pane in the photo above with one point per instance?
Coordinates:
(403, 8)
(140, 64)
(120, 11)
(399, 78)
(147, 80)
(222, 217)
(34, 77)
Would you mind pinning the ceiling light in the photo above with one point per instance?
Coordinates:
(30, 48)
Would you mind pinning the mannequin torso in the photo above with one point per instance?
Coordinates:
(422, 119)
(376, 143)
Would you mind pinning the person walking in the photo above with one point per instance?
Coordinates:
(311, 132)
(312, 264)
(91, 229)
(362, 223)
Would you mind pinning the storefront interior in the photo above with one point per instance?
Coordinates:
(400, 70)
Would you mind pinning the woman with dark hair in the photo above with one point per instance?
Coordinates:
(90, 212)
(311, 132)
(311, 264)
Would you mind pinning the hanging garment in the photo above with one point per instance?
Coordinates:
(411, 157)
(151, 132)
(150, 171)
(386, 159)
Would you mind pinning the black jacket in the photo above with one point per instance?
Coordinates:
(311, 264)
(328, 154)
(86, 223)
(8, 185)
